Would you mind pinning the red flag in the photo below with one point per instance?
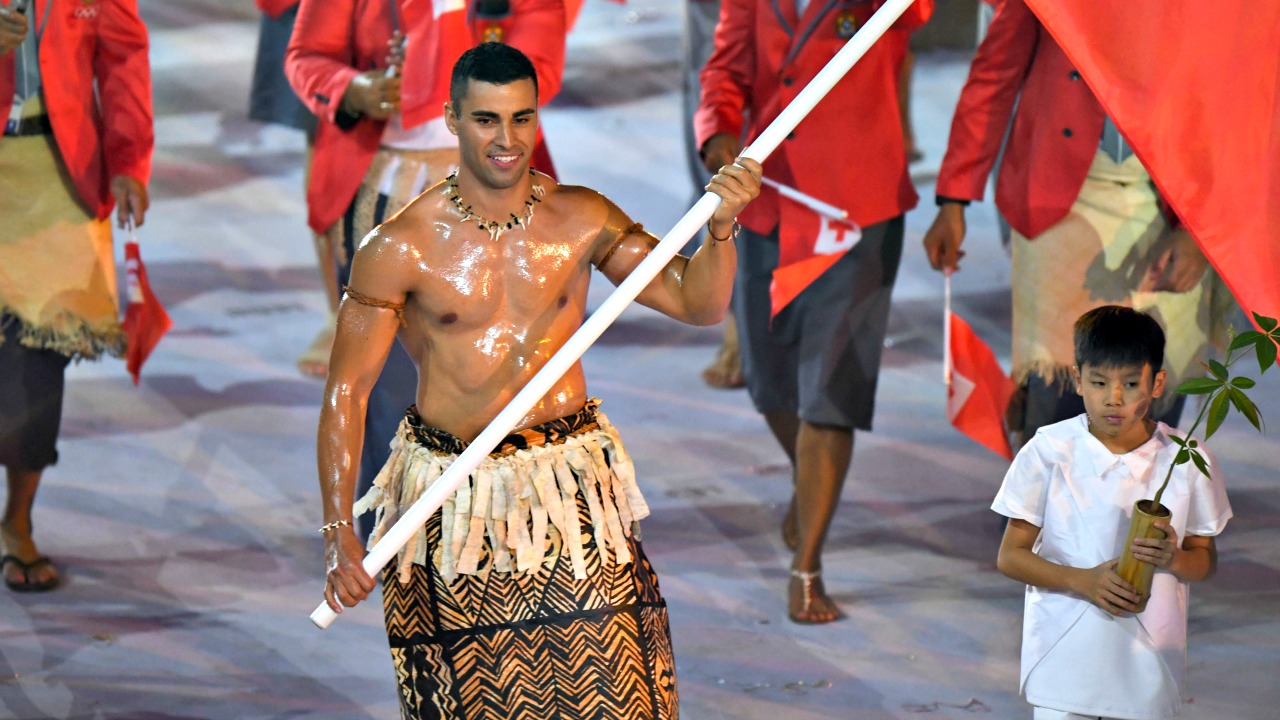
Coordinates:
(809, 243)
(1194, 87)
(978, 390)
(145, 320)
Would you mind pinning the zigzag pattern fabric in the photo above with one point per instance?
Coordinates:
(580, 634)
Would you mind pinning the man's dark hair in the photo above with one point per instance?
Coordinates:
(1112, 336)
(492, 62)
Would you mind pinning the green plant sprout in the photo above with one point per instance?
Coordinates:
(1225, 392)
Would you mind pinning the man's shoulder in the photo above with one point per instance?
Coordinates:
(408, 233)
(578, 205)
(421, 212)
(577, 196)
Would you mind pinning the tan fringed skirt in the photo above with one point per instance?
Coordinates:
(528, 595)
(57, 269)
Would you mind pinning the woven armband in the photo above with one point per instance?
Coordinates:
(356, 295)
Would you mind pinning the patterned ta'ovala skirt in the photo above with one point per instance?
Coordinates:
(528, 595)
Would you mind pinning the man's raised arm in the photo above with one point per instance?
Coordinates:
(694, 290)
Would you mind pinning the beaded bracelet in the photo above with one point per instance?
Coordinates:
(334, 526)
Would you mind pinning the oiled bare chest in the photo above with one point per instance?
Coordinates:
(474, 283)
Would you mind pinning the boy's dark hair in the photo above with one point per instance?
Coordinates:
(1113, 336)
(491, 62)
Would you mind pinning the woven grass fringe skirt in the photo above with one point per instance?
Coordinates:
(528, 595)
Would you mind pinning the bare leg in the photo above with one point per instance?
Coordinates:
(15, 528)
(785, 427)
(823, 453)
(726, 370)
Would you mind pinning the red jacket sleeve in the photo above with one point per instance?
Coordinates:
(538, 31)
(319, 61)
(729, 73)
(275, 8)
(123, 75)
(987, 100)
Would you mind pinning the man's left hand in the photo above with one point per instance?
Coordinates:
(737, 184)
(131, 199)
(1179, 266)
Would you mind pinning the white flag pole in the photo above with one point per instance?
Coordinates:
(644, 273)
(946, 327)
(809, 201)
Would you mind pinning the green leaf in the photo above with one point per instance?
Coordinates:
(1198, 459)
(1264, 322)
(1218, 369)
(1182, 457)
(1248, 337)
(1245, 406)
(1217, 413)
(1243, 383)
(1199, 386)
(1266, 354)
(1181, 441)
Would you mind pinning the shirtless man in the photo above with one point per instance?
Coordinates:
(538, 552)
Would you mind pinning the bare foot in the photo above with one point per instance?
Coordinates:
(791, 526)
(807, 600)
(24, 568)
(724, 372)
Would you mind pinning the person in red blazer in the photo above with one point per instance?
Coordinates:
(361, 171)
(83, 43)
(811, 370)
(75, 95)
(1056, 171)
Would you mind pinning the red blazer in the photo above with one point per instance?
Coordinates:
(849, 151)
(1055, 129)
(335, 40)
(275, 8)
(112, 134)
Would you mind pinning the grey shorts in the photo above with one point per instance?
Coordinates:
(820, 358)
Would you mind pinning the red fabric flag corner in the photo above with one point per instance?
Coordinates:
(1194, 87)
(145, 319)
(978, 390)
(809, 243)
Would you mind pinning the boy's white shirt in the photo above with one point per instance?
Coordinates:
(1081, 495)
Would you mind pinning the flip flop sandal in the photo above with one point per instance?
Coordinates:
(26, 568)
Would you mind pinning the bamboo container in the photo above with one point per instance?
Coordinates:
(1136, 572)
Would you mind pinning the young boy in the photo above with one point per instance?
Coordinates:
(1068, 497)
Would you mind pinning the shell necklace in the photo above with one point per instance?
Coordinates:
(495, 228)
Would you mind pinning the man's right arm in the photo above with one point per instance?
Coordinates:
(1099, 585)
(364, 336)
(726, 82)
(978, 127)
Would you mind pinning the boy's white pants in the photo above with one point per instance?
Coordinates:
(1047, 714)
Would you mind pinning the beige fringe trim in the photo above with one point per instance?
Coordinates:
(515, 506)
(68, 335)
